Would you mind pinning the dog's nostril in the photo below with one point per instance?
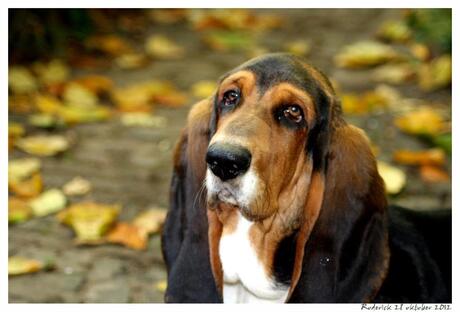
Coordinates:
(228, 161)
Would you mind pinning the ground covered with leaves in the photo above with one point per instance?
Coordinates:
(92, 126)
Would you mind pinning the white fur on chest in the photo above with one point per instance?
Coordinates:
(245, 279)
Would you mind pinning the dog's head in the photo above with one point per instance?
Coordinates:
(269, 131)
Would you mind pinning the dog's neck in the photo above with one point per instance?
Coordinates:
(247, 253)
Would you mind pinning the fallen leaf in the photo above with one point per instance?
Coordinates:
(433, 174)
(131, 60)
(140, 119)
(394, 31)
(394, 73)
(30, 187)
(161, 285)
(15, 129)
(140, 97)
(21, 80)
(78, 96)
(224, 41)
(20, 104)
(232, 19)
(97, 84)
(48, 202)
(394, 178)
(437, 74)
(21, 169)
(20, 265)
(420, 51)
(89, 220)
(434, 156)
(42, 145)
(77, 186)
(18, 210)
(298, 47)
(422, 121)
(362, 103)
(54, 72)
(150, 221)
(43, 120)
(204, 88)
(175, 99)
(109, 44)
(167, 16)
(71, 114)
(128, 235)
(365, 54)
(159, 46)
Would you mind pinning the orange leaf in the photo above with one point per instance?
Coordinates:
(18, 210)
(97, 84)
(433, 174)
(434, 156)
(128, 235)
(31, 187)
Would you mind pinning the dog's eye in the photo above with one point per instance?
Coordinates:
(290, 115)
(293, 113)
(230, 98)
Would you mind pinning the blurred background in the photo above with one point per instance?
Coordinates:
(97, 99)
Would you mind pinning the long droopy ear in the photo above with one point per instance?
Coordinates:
(342, 251)
(185, 234)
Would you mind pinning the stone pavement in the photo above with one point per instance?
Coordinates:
(132, 166)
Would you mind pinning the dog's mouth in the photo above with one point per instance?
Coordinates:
(224, 193)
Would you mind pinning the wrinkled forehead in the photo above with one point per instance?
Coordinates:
(278, 68)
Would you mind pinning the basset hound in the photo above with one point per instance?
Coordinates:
(276, 198)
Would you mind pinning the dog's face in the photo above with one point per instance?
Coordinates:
(265, 114)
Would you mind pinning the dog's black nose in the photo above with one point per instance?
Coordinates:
(228, 161)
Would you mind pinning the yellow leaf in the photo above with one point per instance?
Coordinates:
(128, 235)
(141, 119)
(15, 130)
(20, 169)
(77, 186)
(394, 178)
(89, 220)
(298, 47)
(161, 47)
(78, 96)
(131, 60)
(48, 202)
(150, 221)
(43, 120)
(18, 210)
(48, 104)
(42, 145)
(21, 80)
(204, 88)
(422, 121)
(436, 74)
(365, 54)
(363, 103)
(31, 187)
(394, 73)
(20, 265)
(434, 156)
(397, 31)
(161, 285)
(54, 72)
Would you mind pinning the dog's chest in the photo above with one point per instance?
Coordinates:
(245, 279)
